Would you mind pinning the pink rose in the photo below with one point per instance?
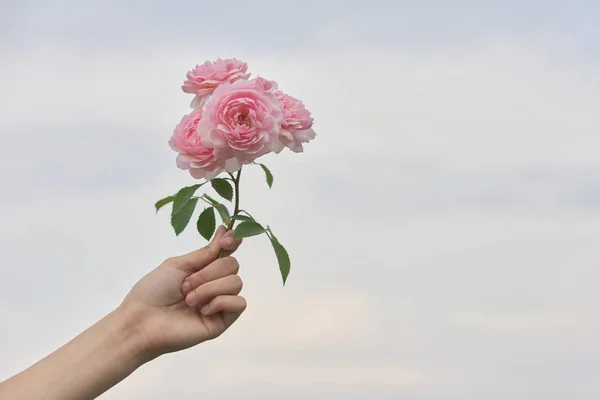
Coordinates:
(241, 121)
(267, 85)
(297, 123)
(193, 154)
(204, 79)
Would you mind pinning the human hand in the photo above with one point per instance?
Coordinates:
(188, 299)
(156, 317)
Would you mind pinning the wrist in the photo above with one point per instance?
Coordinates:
(128, 331)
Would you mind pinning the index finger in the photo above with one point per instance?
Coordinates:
(198, 259)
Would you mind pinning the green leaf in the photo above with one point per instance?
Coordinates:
(210, 199)
(223, 188)
(223, 211)
(268, 174)
(183, 196)
(181, 218)
(248, 229)
(283, 258)
(241, 218)
(163, 202)
(206, 223)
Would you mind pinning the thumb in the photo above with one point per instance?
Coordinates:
(198, 259)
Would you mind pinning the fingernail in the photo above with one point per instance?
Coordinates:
(227, 242)
(204, 310)
(190, 298)
(186, 287)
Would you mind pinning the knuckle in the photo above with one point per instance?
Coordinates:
(230, 264)
(243, 303)
(198, 278)
(171, 262)
(203, 293)
(229, 260)
(235, 265)
(220, 302)
(211, 289)
(238, 284)
(216, 303)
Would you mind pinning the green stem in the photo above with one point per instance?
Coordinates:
(236, 209)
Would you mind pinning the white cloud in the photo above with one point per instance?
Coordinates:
(395, 288)
(494, 104)
(281, 376)
(532, 325)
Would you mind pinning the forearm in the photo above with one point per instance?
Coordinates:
(84, 368)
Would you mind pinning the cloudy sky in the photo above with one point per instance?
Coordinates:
(444, 227)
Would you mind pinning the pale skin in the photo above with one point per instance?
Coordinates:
(187, 300)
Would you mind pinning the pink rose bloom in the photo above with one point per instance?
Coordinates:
(204, 79)
(241, 121)
(267, 85)
(193, 154)
(297, 123)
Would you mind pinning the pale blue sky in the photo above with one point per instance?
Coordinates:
(444, 226)
(111, 24)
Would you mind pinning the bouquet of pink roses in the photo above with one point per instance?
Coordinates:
(234, 121)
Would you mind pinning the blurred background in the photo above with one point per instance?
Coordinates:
(444, 227)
